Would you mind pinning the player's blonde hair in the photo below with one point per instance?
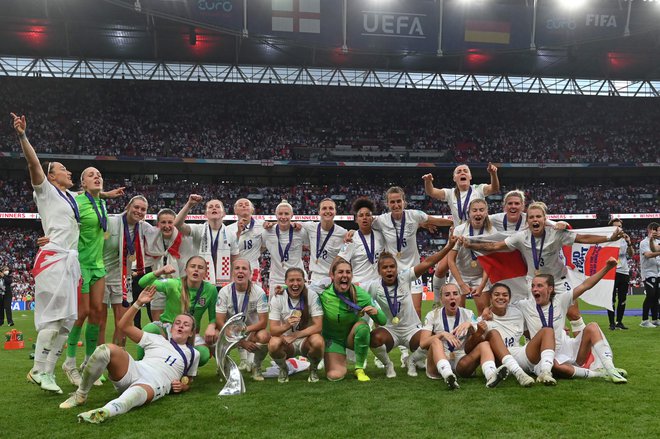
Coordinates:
(284, 203)
(539, 205)
(249, 202)
(134, 199)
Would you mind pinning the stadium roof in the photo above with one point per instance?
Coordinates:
(114, 29)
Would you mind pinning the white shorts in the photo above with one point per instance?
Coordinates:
(158, 302)
(112, 295)
(402, 334)
(297, 346)
(567, 351)
(136, 374)
(417, 286)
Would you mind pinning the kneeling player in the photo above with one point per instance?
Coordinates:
(296, 319)
(167, 365)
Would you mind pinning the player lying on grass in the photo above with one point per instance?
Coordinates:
(168, 365)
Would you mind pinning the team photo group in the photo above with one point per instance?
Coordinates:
(361, 291)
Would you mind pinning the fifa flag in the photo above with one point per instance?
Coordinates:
(486, 31)
(299, 16)
(584, 260)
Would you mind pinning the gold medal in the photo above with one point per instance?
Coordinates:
(106, 235)
(395, 320)
(398, 255)
(452, 356)
(473, 264)
(316, 261)
(296, 313)
(185, 380)
(537, 272)
(131, 258)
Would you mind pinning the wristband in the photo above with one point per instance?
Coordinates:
(22, 136)
(137, 305)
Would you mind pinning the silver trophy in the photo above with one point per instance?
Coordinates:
(231, 333)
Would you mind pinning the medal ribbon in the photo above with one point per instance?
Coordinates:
(445, 323)
(550, 322)
(284, 253)
(128, 242)
(186, 366)
(537, 255)
(234, 299)
(481, 232)
(70, 201)
(250, 226)
(214, 246)
(319, 250)
(399, 235)
(517, 224)
(370, 251)
(394, 305)
(301, 303)
(463, 209)
(130, 247)
(102, 216)
(351, 305)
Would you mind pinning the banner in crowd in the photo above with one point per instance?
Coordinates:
(226, 14)
(393, 26)
(486, 25)
(581, 260)
(595, 21)
(308, 21)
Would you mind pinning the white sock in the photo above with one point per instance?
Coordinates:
(243, 354)
(94, 368)
(134, 396)
(547, 360)
(418, 355)
(512, 365)
(488, 368)
(56, 352)
(45, 342)
(604, 354)
(444, 368)
(404, 352)
(260, 354)
(581, 372)
(577, 325)
(437, 283)
(381, 353)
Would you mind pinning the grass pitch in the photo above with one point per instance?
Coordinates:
(403, 407)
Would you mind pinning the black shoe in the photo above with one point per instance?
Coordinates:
(11, 324)
(612, 327)
(620, 326)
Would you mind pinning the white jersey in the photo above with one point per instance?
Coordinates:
(203, 241)
(57, 216)
(549, 262)
(280, 263)
(257, 303)
(498, 220)
(408, 254)
(650, 267)
(322, 256)
(510, 326)
(164, 362)
(355, 252)
(433, 322)
(622, 266)
(248, 245)
(464, 259)
(560, 305)
(476, 192)
(406, 312)
(281, 307)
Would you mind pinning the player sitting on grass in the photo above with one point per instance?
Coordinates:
(167, 365)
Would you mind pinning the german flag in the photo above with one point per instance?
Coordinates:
(491, 32)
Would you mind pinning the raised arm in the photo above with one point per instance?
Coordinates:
(483, 246)
(597, 239)
(180, 220)
(429, 262)
(591, 281)
(494, 186)
(37, 175)
(126, 323)
(431, 191)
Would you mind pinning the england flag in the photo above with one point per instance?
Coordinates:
(298, 16)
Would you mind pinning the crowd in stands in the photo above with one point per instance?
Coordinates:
(229, 121)
(598, 197)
